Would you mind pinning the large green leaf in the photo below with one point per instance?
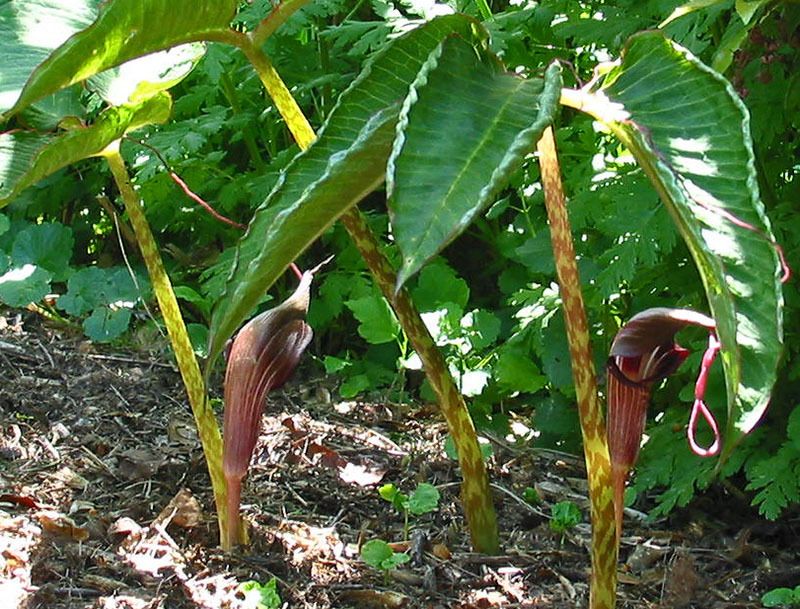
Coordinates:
(142, 77)
(29, 31)
(690, 132)
(465, 127)
(124, 30)
(26, 158)
(347, 162)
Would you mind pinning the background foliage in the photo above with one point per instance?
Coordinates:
(490, 299)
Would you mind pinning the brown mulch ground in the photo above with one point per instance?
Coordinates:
(105, 502)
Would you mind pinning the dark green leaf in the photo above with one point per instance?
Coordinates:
(20, 286)
(565, 515)
(91, 287)
(482, 326)
(377, 323)
(198, 334)
(184, 292)
(354, 386)
(438, 284)
(487, 121)
(48, 246)
(47, 113)
(26, 158)
(106, 324)
(342, 166)
(83, 294)
(515, 371)
(29, 31)
(124, 30)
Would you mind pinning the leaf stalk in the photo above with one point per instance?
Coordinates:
(475, 491)
(595, 446)
(207, 427)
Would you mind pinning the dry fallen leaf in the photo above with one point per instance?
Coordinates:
(183, 510)
(62, 526)
(441, 551)
(374, 598)
(139, 463)
(682, 581)
(360, 474)
(124, 526)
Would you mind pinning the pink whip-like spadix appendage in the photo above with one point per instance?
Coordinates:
(699, 407)
(262, 357)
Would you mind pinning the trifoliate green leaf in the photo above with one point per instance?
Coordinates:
(106, 324)
(377, 321)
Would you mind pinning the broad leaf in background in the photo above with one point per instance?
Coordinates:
(143, 77)
(377, 323)
(48, 246)
(38, 255)
(24, 285)
(94, 286)
(29, 31)
(487, 121)
(347, 162)
(47, 113)
(106, 323)
(26, 158)
(124, 30)
(690, 133)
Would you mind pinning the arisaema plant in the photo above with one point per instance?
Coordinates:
(437, 117)
(643, 354)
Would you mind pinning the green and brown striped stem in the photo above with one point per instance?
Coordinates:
(475, 492)
(207, 427)
(595, 447)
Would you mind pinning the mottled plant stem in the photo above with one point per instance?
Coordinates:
(207, 427)
(475, 492)
(595, 446)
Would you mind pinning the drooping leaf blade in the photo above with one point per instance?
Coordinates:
(29, 31)
(690, 132)
(347, 162)
(145, 76)
(488, 120)
(124, 30)
(26, 158)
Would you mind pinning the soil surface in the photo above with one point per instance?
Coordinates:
(105, 502)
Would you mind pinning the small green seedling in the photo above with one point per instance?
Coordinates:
(261, 596)
(379, 555)
(531, 496)
(423, 500)
(565, 515)
(782, 597)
